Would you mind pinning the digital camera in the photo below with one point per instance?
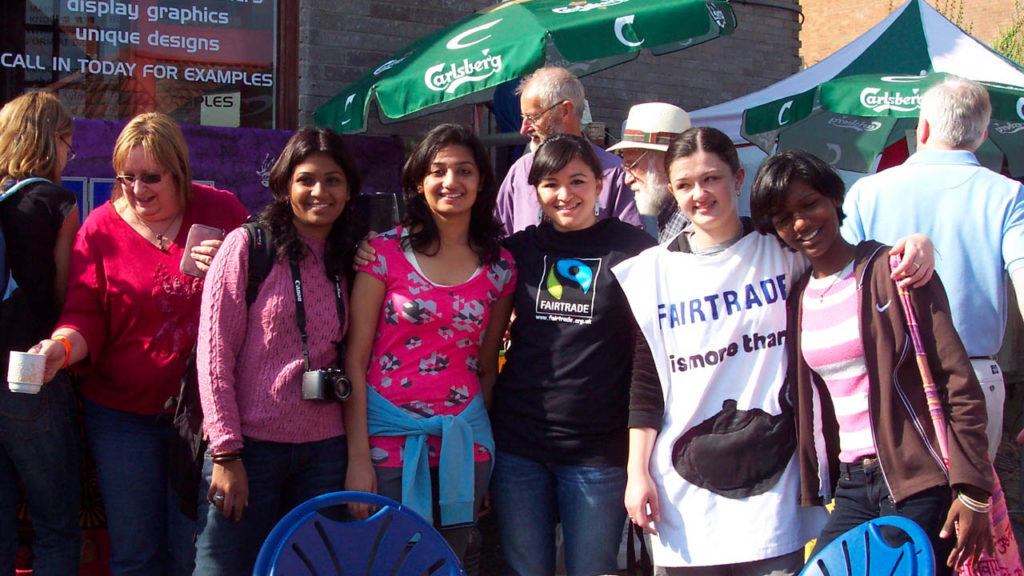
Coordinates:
(326, 384)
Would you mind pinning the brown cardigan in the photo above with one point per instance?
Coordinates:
(900, 424)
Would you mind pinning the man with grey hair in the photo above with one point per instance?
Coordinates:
(646, 134)
(552, 101)
(974, 216)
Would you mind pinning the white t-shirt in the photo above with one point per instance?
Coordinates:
(716, 326)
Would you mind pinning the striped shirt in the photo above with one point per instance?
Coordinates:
(831, 345)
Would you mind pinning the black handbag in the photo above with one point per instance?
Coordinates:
(185, 444)
(638, 562)
(738, 453)
(186, 447)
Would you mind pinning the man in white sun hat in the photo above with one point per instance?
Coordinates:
(645, 137)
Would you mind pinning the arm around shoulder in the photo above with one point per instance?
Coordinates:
(223, 329)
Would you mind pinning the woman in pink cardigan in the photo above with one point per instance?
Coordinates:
(271, 446)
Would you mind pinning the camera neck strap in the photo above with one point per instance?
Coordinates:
(300, 308)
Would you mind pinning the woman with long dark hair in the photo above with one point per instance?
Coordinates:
(422, 349)
(271, 448)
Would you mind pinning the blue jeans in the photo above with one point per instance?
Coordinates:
(460, 536)
(531, 497)
(862, 495)
(281, 476)
(39, 446)
(148, 535)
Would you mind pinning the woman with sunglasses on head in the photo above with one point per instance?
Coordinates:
(38, 432)
(132, 317)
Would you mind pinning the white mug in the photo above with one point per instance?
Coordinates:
(25, 372)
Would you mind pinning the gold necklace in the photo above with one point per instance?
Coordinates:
(160, 237)
(821, 296)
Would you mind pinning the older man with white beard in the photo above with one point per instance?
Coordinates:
(648, 130)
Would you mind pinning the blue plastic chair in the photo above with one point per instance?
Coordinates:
(863, 551)
(394, 541)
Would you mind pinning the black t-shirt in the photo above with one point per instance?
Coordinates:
(563, 395)
(31, 218)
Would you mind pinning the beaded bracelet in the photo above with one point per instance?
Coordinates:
(67, 350)
(974, 505)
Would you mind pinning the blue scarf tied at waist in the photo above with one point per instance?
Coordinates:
(458, 434)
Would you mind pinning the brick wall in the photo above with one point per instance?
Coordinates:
(831, 24)
(342, 39)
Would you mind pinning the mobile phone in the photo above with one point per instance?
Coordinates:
(196, 234)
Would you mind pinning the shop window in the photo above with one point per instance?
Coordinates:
(204, 62)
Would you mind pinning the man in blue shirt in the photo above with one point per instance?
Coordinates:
(975, 218)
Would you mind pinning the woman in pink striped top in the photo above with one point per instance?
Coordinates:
(858, 390)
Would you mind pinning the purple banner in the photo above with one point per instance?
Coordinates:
(236, 159)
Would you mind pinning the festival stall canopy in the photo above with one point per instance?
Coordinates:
(849, 121)
(464, 62)
(914, 39)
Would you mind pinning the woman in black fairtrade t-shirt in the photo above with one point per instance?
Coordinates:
(560, 404)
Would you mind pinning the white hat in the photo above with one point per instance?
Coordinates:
(652, 126)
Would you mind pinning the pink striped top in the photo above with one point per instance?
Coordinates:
(831, 345)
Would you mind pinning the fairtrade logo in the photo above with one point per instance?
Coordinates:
(574, 7)
(568, 290)
(456, 43)
(570, 269)
(620, 24)
(879, 101)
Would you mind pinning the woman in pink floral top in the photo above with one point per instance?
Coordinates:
(420, 348)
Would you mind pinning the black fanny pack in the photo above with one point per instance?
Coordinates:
(737, 453)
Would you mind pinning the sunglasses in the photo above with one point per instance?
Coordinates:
(129, 180)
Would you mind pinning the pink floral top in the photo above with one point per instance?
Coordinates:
(426, 350)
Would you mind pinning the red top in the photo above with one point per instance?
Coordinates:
(137, 311)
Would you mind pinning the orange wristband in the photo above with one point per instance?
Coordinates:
(67, 350)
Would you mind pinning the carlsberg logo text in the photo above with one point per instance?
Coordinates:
(879, 101)
(448, 76)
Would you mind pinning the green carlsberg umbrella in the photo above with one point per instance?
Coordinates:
(849, 121)
(464, 62)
